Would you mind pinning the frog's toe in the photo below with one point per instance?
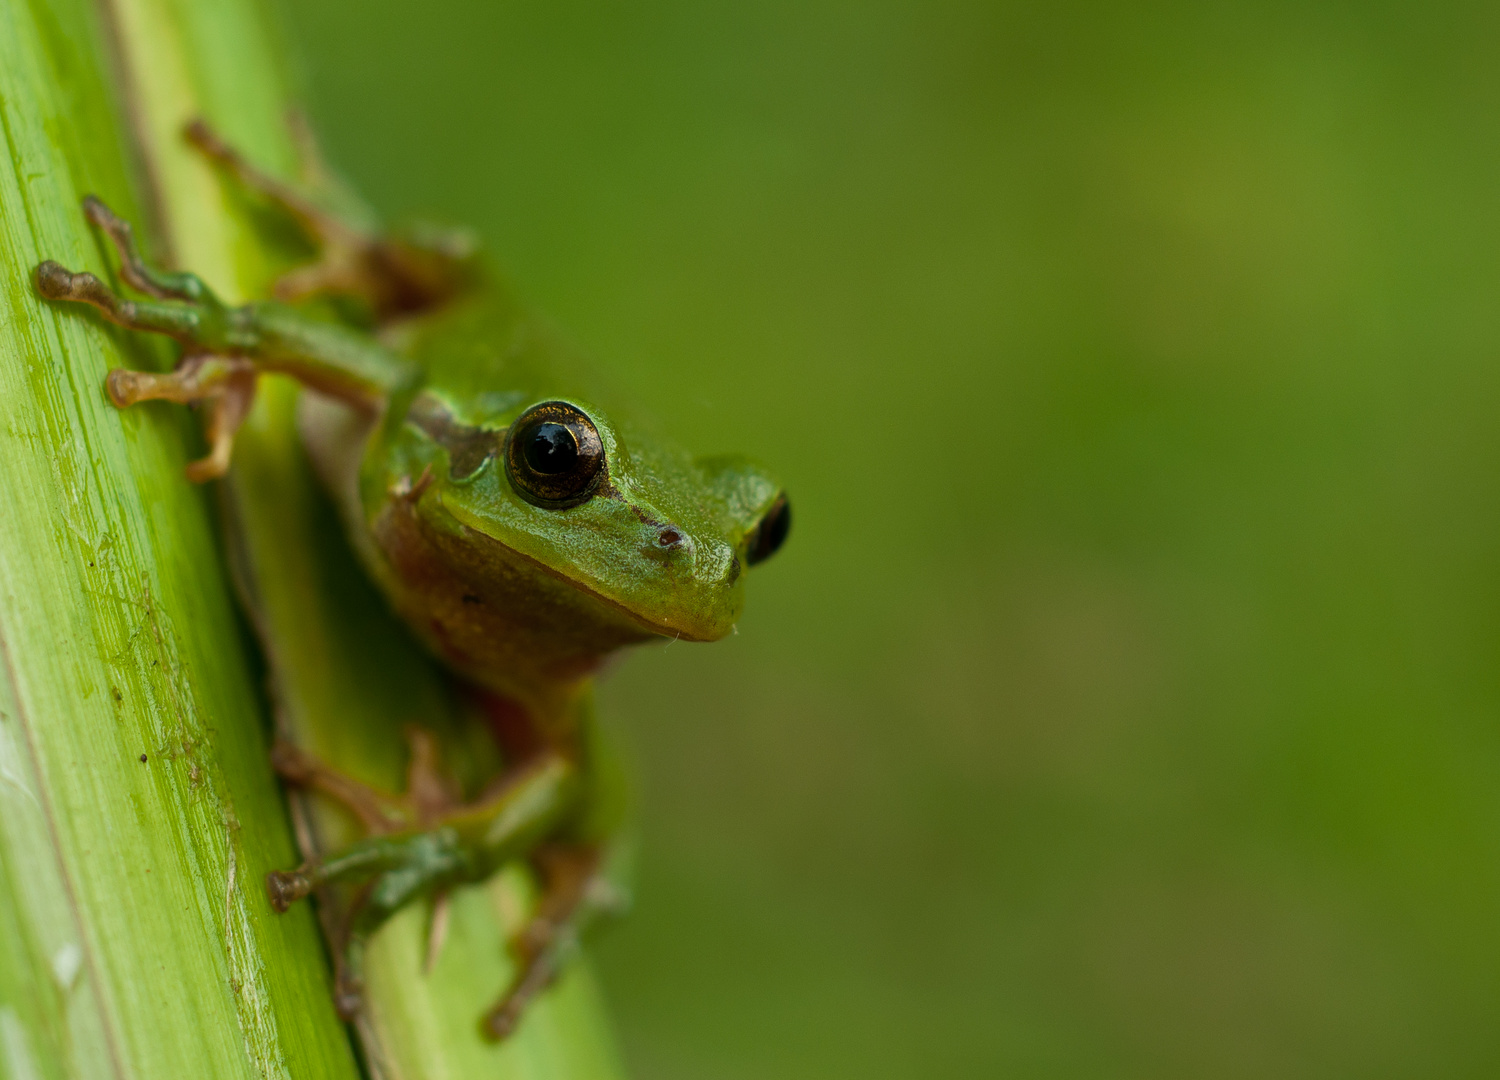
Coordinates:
(224, 386)
(349, 998)
(125, 387)
(285, 888)
(54, 281)
(502, 1020)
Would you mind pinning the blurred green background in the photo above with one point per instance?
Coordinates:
(1125, 703)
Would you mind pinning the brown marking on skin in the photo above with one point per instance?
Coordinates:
(468, 447)
(608, 490)
(641, 515)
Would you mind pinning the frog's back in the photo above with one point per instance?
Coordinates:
(487, 353)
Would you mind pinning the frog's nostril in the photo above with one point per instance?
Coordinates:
(669, 537)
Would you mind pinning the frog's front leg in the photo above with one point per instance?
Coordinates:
(444, 843)
(224, 347)
(223, 386)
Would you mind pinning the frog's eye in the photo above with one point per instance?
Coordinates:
(553, 455)
(770, 532)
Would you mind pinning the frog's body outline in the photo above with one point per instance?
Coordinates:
(523, 530)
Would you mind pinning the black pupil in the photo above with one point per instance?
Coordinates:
(551, 449)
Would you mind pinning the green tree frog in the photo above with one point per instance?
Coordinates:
(521, 526)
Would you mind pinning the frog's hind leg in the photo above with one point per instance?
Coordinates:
(575, 890)
(340, 266)
(429, 794)
(442, 845)
(377, 811)
(395, 274)
(381, 814)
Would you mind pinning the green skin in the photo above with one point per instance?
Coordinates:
(521, 596)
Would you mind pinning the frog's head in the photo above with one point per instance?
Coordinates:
(623, 518)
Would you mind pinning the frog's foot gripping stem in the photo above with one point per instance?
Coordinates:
(224, 347)
(395, 275)
(425, 842)
(574, 892)
(430, 795)
(223, 384)
(341, 246)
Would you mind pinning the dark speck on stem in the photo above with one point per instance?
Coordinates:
(143, 759)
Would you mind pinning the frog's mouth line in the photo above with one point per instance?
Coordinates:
(659, 629)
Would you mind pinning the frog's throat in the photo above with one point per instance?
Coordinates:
(657, 628)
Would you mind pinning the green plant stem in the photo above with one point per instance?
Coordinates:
(135, 938)
(134, 941)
